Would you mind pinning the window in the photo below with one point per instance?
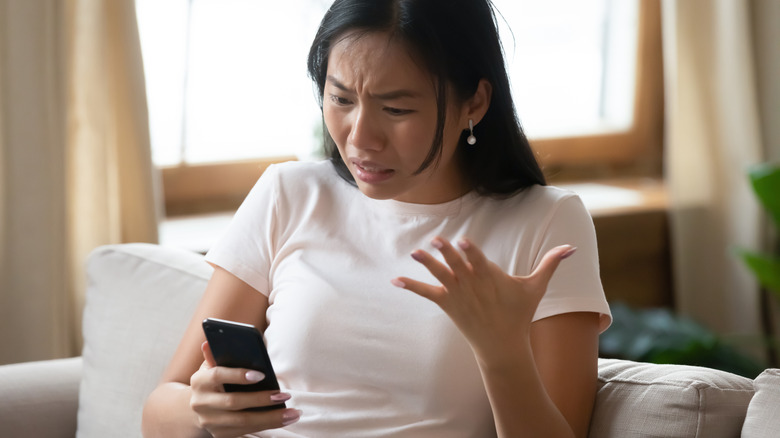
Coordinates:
(227, 79)
(571, 64)
(228, 91)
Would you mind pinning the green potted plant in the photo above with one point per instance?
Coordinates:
(765, 180)
(661, 336)
(658, 335)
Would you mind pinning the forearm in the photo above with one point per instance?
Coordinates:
(520, 403)
(167, 413)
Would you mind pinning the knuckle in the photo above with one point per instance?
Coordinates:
(210, 425)
(242, 421)
(228, 375)
(196, 379)
(221, 375)
(217, 373)
(229, 402)
(203, 422)
(197, 403)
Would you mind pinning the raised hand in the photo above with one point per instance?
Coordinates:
(490, 307)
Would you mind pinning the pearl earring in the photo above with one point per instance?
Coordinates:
(471, 139)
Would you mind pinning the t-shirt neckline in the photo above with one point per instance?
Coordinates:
(449, 208)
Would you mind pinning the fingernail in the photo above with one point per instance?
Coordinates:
(568, 252)
(290, 417)
(397, 283)
(280, 397)
(417, 256)
(464, 244)
(436, 243)
(254, 376)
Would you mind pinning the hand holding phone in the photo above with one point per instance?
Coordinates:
(238, 345)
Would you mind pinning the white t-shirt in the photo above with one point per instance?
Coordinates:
(361, 357)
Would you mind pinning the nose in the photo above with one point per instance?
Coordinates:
(365, 132)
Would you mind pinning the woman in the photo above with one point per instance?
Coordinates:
(381, 318)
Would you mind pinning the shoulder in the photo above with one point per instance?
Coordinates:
(546, 195)
(533, 213)
(292, 179)
(542, 201)
(303, 171)
(302, 177)
(305, 186)
(537, 211)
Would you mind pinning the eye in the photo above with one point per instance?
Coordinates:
(338, 100)
(397, 111)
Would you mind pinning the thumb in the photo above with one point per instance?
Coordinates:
(544, 272)
(206, 349)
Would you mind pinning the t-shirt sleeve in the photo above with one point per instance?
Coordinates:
(576, 284)
(247, 246)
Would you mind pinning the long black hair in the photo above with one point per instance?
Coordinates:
(457, 40)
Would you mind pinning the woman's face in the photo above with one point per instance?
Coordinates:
(380, 109)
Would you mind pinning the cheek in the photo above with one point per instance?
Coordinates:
(420, 134)
(334, 122)
(456, 120)
(452, 134)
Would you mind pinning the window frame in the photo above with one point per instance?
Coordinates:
(201, 188)
(634, 152)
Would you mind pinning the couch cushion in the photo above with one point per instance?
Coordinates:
(139, 300)
(32, 391)
(762, 419)
(649, 400)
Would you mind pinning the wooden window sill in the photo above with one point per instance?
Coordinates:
(616, 197)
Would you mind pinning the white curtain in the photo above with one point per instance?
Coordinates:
(714, 133)
(74, 160)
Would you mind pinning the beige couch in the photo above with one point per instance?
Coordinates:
(139, 299)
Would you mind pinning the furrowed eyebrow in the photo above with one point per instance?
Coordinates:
(338, 84)
(395, 94)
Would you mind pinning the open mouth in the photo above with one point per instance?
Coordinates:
(371, 173)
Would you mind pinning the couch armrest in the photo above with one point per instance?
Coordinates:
(670, 401)
(40, 399)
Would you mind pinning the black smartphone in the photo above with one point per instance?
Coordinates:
(238, 345)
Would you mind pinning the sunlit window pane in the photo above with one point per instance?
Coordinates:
(163, 32)
(226, 79)
(571, 63)
(248, 93)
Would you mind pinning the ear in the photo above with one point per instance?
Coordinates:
(476, 107)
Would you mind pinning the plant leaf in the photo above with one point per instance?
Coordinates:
(661, 336)
(766, 269)
(765, 179)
